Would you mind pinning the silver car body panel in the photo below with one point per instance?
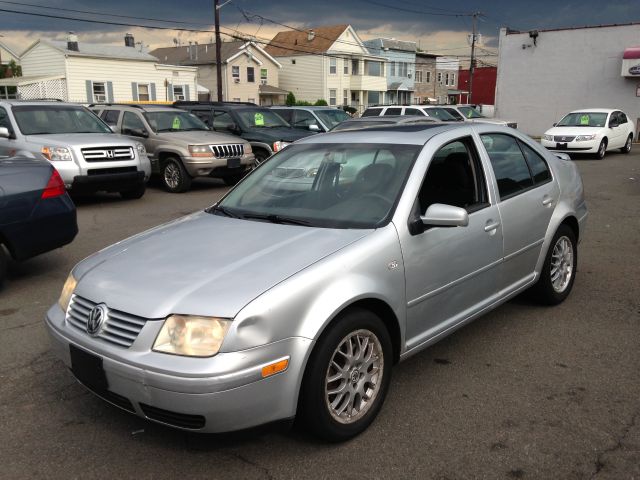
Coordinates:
(284, 284)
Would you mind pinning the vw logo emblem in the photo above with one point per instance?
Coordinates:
(97, 316)
(563, 138)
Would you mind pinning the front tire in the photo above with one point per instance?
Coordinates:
(4, 262)
(174, 176)
(602, 149)
(559, 269)
(627, 145)
(347, 377)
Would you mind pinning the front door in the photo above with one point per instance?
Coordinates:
(451, 272)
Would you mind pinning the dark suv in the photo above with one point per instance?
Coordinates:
(264, 129)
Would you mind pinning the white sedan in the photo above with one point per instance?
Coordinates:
(592, 130)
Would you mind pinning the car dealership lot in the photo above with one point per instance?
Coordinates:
(524, 392)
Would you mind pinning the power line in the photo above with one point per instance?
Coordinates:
(419, 12)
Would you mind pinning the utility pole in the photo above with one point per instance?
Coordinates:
(218, 54)
(472, 65)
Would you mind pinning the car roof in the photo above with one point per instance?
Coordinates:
(595, 110)
(39, 102)
(304, 107)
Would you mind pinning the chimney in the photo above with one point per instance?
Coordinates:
(129, 41)
(190, 50)
(196, 50)
(311, 35)
(72, 42)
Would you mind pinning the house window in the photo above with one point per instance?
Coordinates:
(251, 100)
(418, 76)
(453, 79)
(263, 76)
(236, 99)
(355, 67)
(393, 69)
(417, 99)
(332, 96)
(293, 62)
(428, 79)
(403, 70)
(345, 97)
(333, 66)
(99, 92)
(346, 67)
(439, 79)
(235, 72)
(250, 75)
(178, 92)
(143, 92)
(446, 79)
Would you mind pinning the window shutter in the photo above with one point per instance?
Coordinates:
(186, 93)
(134, 91)
(170, 91)
(89, 91)
(110, 92)
(152, 88)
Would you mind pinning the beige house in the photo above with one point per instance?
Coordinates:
(249, 74)
(329, 63)
(97, 73)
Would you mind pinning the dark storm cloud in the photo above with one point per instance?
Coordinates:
(362, 14)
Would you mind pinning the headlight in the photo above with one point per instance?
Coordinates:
(200, 151)
(585, 138)
(312, 172)
(141, 150)
(67, 290)
(191, 335)
(247, 148)
(277, 146)
(548, 137)
(56, 154)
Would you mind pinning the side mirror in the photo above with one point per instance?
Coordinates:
(136, 132)
(233, 128)
(555, 124)
(441, 215)
(4, 132)
(314, 128)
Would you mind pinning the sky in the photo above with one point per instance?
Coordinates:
(437, 27)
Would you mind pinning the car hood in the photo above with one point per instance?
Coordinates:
(285, 134)
(80, 139)
(573, 131)
(198, 137)
(203, 264)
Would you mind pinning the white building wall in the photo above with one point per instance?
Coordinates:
(305, 78)
(566, 70)
(42, 60)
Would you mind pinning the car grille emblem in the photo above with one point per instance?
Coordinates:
(563, 139)
(97, 316)
(109, 153)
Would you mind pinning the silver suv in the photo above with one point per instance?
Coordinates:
(179, 144)
(86, 153)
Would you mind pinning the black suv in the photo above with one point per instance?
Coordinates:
(264, 129)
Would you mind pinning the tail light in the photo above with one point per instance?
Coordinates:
(55, 186)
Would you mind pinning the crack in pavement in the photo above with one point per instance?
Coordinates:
(245, 460)
(24, 325)
(599, 462)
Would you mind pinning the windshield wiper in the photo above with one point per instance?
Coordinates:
(225, 211)
(277, 219)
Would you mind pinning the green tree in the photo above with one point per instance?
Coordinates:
(291, 99)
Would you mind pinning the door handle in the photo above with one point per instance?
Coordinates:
(547, 201)
(491, 226)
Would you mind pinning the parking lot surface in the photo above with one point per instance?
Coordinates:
(524, 392)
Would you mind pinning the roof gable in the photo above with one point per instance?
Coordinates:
(205, 54)
(96, 50)
(295, 42)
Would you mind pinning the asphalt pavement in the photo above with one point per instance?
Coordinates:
(524, 392)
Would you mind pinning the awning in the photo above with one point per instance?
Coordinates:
(631, 62)
(456, 92)
(399, 86)
(631, 53)
(202, 89)
(270, 90)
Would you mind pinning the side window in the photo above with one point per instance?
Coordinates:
(304, 119)
(622, 118)
(455, 113)
(130, 121)
(110, 117)
(222, 120)
(508, 162)
(204, 115)
(371, 112)
(4, 120)
(455, 177)
(413, 111)
(393, 111)
(539, 169)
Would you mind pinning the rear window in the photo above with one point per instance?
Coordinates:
(393, 111)
(372, 112)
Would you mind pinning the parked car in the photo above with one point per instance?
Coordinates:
(84, 150)
(179, 145)
(592, 130)
(264, 129)
(36, 213)
(468, 113)
(365, 122)
(420, 110)
(314, 119)
(300, 304)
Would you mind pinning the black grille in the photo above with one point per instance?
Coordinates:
(563, 138)
(106, 171)
(230, 150)
(182, 420)
(117, 400)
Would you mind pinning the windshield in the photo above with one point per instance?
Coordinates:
(469, 112)
(325, 185)
(176, 121)
(52, 119)
(332, 117)
(260, 118)
(584, 119)
(440, 114)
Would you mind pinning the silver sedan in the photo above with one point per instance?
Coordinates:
(281, 302)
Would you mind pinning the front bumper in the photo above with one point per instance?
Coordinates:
(217, 394)
(589, 146)
(108, 182)
(218, 167)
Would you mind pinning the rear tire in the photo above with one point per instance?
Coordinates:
(559, 269)
(133, 194)
(4, 262)
(347, 377)
(174, 176)
(627, 145)
(602, 149)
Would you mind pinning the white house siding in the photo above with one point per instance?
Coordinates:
(305, 78)
(123, 74)
(42, 60)
(6, 56)
(566, 70)
(347, 42)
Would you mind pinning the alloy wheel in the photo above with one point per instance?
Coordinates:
(561, 264)
(172, 175)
